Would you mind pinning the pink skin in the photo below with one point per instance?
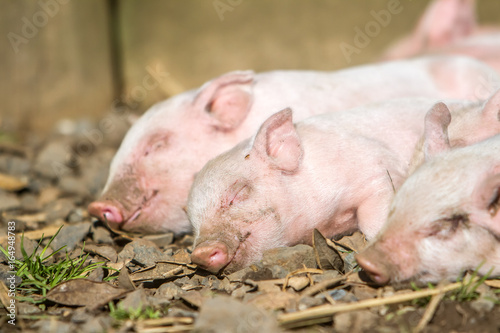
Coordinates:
(444, 219)
(472, 122)
(152, 172)
(450, 27)
(328, 172)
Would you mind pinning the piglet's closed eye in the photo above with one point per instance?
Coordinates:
(236, 193)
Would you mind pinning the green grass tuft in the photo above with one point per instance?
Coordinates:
(38, 276)
(119, 313)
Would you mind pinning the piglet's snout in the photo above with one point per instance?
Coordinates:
(377, 271)
(211, 256)
(106, 211)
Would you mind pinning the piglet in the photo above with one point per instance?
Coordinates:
(450, 27)
(444, 219)
(336, 172)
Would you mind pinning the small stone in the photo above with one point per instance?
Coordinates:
(186, 241)
(73, 185)
(290, 258)
(482, 305)
(241, 291)
(29, 202)
(51, 160)
(210, 281)
(53, 326)
(27, 309)
(142, 251)
(59, 209)
(70, 235)
(278, 272)
(309, 302)
(238, 275)
(14, 165)
(96, 275)
(47, 195)
(9, 201)
(169, 290)
(327, 275)
(161, 240)
(134, 300)
(6, 276)
(225, 314)
(102, 235)
(77, 215)
(298, 282)
(97, 324)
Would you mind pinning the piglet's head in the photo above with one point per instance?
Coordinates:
(235, 204)
(443, 220)
(152, 172)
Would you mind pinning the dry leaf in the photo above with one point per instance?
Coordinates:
(327, 257)
(105, 251)
(11, 183)
(124, 280)
(161, 270)
(81, 292)
(194, 298)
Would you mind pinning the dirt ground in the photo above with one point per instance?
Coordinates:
(157, 289)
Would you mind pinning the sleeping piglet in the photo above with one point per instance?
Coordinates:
(444, 219)
(336, 172)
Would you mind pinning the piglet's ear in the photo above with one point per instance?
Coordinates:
(227, 99)
(278, 141)
(491, 109)
(445, 21)
(486, 198)
(436, 139)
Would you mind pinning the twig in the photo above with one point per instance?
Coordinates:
(429, 312)
(296, 319)
(167, 324)
(172, 329)
(300, 271)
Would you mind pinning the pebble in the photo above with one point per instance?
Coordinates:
(161, 240)
(51, 160)
(143, 251)
(71, 235)
(14, 165)
(9, 201)
(134, 300)
(169, 291)
(226, 314)
(101, 235)
(53, 326)
(29, 202)
(290, 258)
(72, 185)
(59, 209)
